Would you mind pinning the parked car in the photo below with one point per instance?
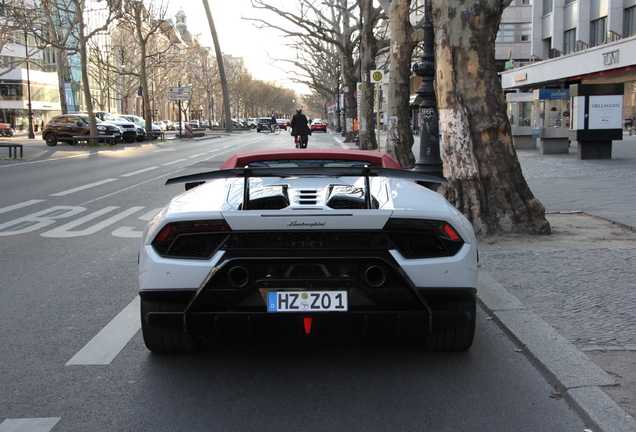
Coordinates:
(194, 123)
(141, 130)
(63, 128)
(169, 125)
(318, 125)
(252, 122)
(263, 124)
(140, 121)
(309, 244)
(128, 129)
(162, 125)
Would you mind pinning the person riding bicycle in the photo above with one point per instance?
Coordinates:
(272, 123)
(300, 128)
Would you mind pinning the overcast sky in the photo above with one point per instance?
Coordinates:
(238, 37)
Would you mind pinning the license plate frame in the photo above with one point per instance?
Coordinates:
(307, 301)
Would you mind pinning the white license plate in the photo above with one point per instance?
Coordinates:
(307, 301)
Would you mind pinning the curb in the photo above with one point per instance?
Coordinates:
(574, 375)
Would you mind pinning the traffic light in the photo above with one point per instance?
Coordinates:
(140, 91)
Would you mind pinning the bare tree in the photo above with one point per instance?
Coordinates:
(331, 21)
(404, 39)
(486, 182)
(86, 23)
(371, 48)
(145, 21)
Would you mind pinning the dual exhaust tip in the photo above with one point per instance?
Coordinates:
(373, 275)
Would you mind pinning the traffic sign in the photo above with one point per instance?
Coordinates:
(376, 76)
(179, 96)
(178, 89)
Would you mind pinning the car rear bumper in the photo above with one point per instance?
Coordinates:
(348, 325)
(352, 324)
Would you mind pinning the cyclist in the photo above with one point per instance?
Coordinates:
(272, 123)
(300, 128)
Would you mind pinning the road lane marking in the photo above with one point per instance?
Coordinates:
(84, 187)
(104, 347)
(139, 172)
(29, 424)
(19, 205)
(174, 162)
(197, 155)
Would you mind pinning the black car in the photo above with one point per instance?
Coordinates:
(128, 129)
(63, 128)
(263, 124)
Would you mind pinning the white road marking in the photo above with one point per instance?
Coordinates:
(81, 188)
(139, 172)
(29, 424)
(20, 205)
(174, 162)
(197, 155)
(104, 347)
(65, 230)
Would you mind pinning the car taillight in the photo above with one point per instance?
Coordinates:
(421, 238)
(191, 239)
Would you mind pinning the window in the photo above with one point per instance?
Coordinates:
(597, 32)
(547, 7)
(526, 32)
(629, 22)
(509, 33)
(569, 41)
(506, 33)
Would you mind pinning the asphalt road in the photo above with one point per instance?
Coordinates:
(73, 358)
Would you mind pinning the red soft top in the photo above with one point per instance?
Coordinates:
(375, 158)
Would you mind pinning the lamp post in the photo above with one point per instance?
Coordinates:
(345, 90)
(28, 71)
(339, 127)
(430, 161)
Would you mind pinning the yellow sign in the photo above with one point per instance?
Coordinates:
(376, 76)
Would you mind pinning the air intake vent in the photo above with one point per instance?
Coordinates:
(308, 197)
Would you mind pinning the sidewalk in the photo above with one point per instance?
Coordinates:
(569, 299)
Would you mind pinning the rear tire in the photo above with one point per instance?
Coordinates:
(50, 139)
(458, 338)
(166, 341)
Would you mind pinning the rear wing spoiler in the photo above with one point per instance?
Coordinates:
(306, 172)
(194, 180)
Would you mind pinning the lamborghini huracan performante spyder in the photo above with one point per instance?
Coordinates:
(310, 244)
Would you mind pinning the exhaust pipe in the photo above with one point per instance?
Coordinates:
(375, 276)
(238, 276)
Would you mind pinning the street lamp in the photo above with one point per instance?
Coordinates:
(28, 71)
(345, 90)
(430, 161)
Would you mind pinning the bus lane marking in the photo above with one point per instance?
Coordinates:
(20, 205)
(64, 231)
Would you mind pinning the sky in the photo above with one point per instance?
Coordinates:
(239, 37)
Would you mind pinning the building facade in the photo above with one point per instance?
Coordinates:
(578, 42)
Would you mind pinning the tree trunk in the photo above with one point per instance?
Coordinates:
(399, 133)
(486, 182)
(368, 140)
(350, 102)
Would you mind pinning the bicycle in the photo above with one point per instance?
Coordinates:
(276, 129)
(301, 141)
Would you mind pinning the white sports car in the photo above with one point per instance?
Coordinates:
(311, 243)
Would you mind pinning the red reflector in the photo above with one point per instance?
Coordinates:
(307, 323)
(451, 232)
